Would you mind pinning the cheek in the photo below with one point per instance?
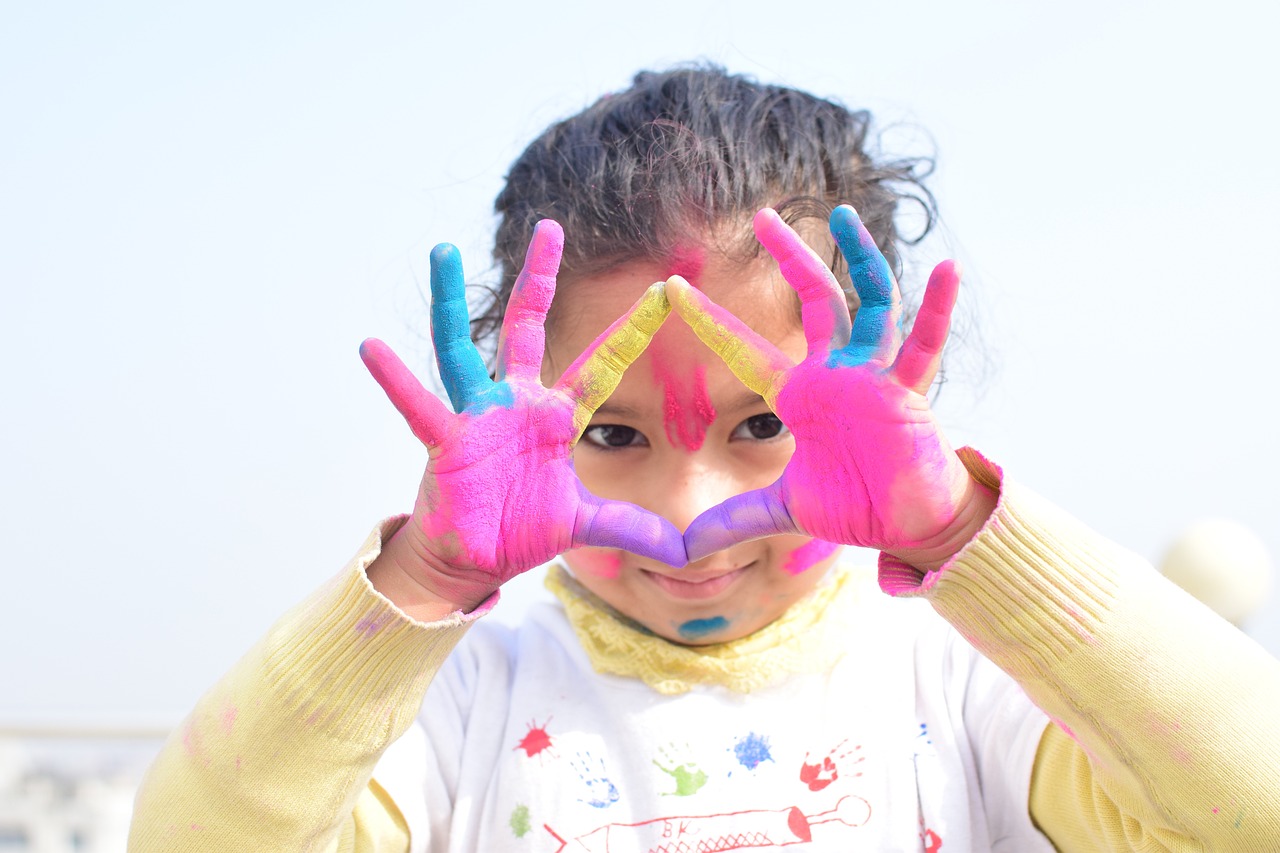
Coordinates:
(597, 562)
(808, 555)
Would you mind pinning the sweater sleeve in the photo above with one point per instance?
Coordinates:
(279, 754)
(1163, 739)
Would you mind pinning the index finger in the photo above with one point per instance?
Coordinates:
(595, 374)
(824, 311)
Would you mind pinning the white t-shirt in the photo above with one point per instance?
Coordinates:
(909, 741)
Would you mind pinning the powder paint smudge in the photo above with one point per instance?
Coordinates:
(687, 409)
(752, 750)
(811, 552)
(519, 821)
(688, 263)
(696, 629)
(536, 740)
(603, 564)
(229, 714)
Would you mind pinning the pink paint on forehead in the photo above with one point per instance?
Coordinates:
(811, 552)
(688, 263)
(687, 410)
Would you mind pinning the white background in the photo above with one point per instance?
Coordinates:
(203, 210)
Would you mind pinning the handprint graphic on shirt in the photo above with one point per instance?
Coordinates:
(821, 774)
(688, 776)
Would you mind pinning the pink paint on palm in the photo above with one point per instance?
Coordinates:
(809, 554)
(468, 512)
(687, 409)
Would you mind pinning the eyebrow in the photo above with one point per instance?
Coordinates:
(746, 400)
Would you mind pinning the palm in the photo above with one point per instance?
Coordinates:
(896, 439)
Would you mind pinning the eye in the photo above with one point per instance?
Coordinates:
(614, 436)
(760, 428)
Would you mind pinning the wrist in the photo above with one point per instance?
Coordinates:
(406, 574)
(976, 504)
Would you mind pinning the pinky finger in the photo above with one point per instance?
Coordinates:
(918, 361)
(426, 415)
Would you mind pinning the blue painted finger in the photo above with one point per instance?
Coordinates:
(875, 325)
(462, 369)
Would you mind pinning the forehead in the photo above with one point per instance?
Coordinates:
(754, 291)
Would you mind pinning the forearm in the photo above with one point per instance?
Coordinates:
(279, 753)
(1168, 703)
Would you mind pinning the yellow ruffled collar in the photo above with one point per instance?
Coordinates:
(801, 641)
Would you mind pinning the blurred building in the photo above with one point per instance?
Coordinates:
(65, 790)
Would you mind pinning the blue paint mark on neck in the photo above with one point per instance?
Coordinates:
(696, 629)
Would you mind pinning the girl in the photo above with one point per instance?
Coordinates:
(714, 677)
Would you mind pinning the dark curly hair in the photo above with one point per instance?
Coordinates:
(697, 151)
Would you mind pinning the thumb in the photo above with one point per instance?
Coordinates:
(751, 515)
(616, 524)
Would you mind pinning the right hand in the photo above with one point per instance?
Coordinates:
(500, 495)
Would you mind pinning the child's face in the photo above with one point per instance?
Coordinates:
(679, 435)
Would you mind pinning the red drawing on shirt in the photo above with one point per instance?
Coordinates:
(717, 832)
(820, 775)
(932, 843)
(537, 740)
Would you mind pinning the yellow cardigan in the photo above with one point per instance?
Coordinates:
(1164, 738)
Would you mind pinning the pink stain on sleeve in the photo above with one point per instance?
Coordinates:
(229, 714)
(807, 555)
(687, 409)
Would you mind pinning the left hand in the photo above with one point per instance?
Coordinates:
(871, 465)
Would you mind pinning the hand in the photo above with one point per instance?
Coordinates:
(871, 466)
(499, 495)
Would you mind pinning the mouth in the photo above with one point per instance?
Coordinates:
(696, 587)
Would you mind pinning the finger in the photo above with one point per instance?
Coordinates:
(614, 524)
(427, 416)
(752, 515)
(917, 364)
(759, 364)
(461, 369)
(595, 374)
(875, 324)
(824, 311)
(523, 338)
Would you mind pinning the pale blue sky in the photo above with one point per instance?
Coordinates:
(204, 209)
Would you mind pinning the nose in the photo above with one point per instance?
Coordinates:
(690, 486)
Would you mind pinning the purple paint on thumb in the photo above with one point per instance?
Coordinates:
(615, 524)
(751, 515)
